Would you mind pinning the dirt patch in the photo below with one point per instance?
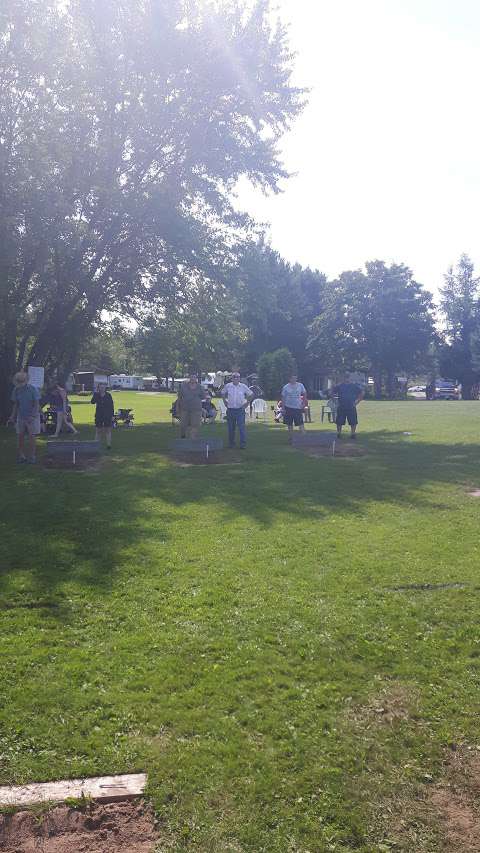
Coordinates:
(65, 463)
(475, 493)
(456, 801)
(217, 457)
(125, 827)
(395, 702)
(440, 816)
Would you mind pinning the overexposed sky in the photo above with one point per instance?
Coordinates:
(387, 152)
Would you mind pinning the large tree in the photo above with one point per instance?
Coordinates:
(379, 320)
(277, 303)
(124, 126)
(460, 305)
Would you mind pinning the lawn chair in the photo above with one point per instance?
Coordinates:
(259, 407)
(330, 409)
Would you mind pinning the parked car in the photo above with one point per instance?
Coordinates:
(417, 389)
(445, 390)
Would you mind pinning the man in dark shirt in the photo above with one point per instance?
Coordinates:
(349, 394)
(103, 401)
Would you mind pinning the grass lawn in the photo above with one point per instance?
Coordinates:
(238, 631)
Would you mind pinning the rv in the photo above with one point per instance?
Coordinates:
(122, 382)
(87, 380)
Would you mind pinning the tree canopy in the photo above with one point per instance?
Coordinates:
(124, 126)
(379, 320)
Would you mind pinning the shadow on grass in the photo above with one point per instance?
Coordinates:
(66, 526)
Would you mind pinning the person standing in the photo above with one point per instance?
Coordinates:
(349, 395)
(25, 415)
(103, 401)
(293, 396)
(190, 399)
(59, 402)
(237, 397)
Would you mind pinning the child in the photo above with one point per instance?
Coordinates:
(25, 415)
(103, 401)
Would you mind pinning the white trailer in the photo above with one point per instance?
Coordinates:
(122, 381)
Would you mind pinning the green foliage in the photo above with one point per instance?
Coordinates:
(276, 304)
(128, 125)
(379, 320)
(274, 369)
(460, 305)
(108, 349)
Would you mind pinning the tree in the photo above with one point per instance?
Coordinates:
(109, 349)
(274, 369)
(460, 306)
(124, 126)
(204, 334)
(379, 320)
(276, 304)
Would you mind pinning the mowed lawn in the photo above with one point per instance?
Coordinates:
(288, 646)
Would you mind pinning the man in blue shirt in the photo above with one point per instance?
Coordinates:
(349, 394)
(25, 415)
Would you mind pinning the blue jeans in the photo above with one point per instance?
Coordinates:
(236, 417)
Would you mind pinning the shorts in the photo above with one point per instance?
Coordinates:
(347, 413)
(30, 425)
(190, 419)
(103, 423)
(293, 416)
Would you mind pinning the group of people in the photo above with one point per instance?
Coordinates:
(193, 404)
(293, 407)
(27, 408)
(192, 407)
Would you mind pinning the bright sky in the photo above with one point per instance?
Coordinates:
(387, 153)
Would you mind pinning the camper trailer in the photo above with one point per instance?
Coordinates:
(87, 380)
(151, 383)
(122, 382)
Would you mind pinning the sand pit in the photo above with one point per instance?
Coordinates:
(122, 827)
(65, 463)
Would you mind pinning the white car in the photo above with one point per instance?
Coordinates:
(417, 389)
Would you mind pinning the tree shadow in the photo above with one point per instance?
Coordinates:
(65, 526)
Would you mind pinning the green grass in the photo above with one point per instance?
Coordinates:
(229, 629)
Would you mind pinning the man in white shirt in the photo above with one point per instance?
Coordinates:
(236, 396)
(293, 399)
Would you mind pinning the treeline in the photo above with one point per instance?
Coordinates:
(378, 320)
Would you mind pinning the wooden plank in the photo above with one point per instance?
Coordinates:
(313, 438)
(196, 445)
(64, 448)
(101, 788)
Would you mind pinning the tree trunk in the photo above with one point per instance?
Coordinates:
(7, 369)
(377, 384)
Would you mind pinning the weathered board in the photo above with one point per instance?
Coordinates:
(101, 788)
(196, 445)
(66, 448)
(313, 438)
